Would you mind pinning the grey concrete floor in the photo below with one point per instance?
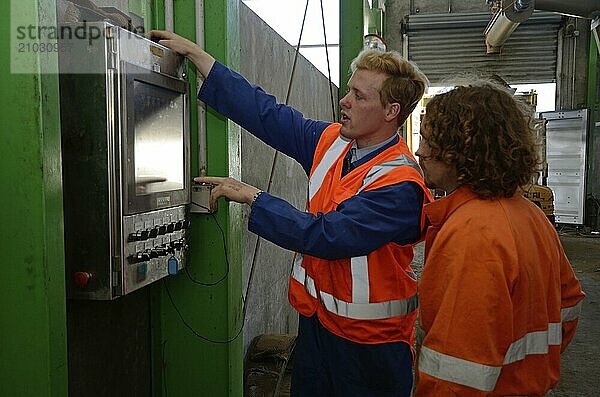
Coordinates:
(580, 367)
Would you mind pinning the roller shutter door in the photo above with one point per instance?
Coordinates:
(444, 45)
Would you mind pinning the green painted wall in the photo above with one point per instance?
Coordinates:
(32, 292)
(143, 9)
(351, 38)
(593, 102)
(204, 357)
(157, 14)
(33, 354)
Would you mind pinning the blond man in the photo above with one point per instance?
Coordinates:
(351, 280)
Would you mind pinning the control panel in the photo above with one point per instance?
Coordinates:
(123, 100)
(154, 245)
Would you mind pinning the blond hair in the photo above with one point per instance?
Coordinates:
(405, 84)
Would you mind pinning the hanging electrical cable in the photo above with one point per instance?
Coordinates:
(192, 330)
(289, 89)
(328, 65)
(275, 157)
(227, 266)
(176, 308)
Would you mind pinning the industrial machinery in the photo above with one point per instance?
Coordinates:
(566, 148)
(537, 191)
(511, 13)
(126, 165)
(541, 196)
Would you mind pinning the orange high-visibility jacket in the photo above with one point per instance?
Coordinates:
(366, 299)
(499, 300)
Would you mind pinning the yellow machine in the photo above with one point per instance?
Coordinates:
(541, 196)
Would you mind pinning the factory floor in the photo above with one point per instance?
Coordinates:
(580, 372)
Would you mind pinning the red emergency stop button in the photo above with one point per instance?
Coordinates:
(81, 279)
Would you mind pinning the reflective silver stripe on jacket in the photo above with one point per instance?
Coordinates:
(299, 274)
(360, 279)
(354, 310)
(369, 311)
(332, 154)
(570, 313)
(381, 169)
(360, 308)
(452, 369)
(484, 377)
(534, 343)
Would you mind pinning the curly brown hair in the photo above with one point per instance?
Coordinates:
(487, 134)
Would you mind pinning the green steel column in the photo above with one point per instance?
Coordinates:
(157, 13)
(351, 38)
(375, 19)
(142, 8)
(205, 357)
(593, 102)
(33, 353)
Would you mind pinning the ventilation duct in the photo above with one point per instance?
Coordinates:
(513, 13)
(505, 22)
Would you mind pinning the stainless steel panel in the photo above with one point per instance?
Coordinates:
(150, 55)
(105, 246)
(89, 123)
(169, 245)
(94, 47)
(566, 137)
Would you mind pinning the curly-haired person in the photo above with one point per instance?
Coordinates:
(499, 300)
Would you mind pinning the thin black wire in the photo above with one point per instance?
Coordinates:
(287, 99)
(289, 90)
(328, 66)
(193, 331)
(224, 250)
(189, 327)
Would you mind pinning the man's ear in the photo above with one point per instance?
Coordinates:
(393, 110)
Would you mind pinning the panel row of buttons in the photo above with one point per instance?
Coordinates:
(141, 235)
(156, 252)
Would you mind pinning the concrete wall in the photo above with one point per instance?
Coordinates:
(266, 59)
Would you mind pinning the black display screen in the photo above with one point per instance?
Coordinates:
(158, 139)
